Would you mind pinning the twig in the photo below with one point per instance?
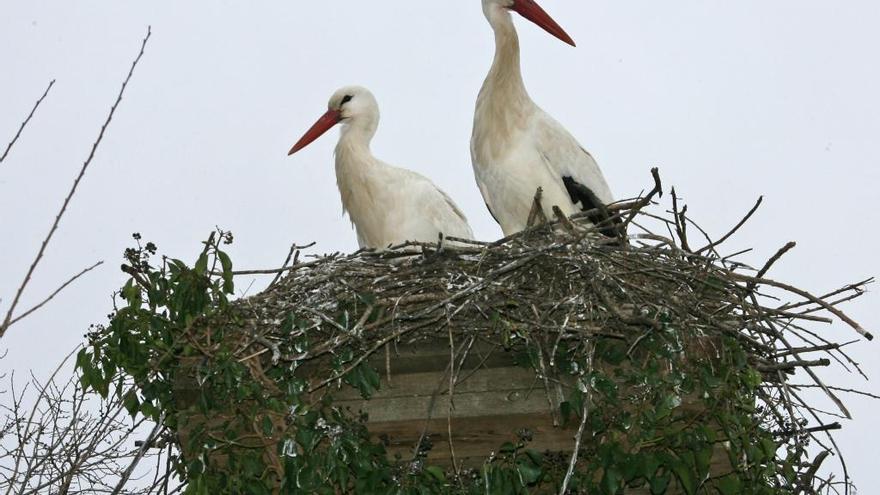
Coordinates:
(814, 429)
(137, 458)
(734, 229)
(5, 325)
(680, 222)
(806, 295)
(25, 123)
(585, 409)
(53, 294)
(545, 378)
(858, 287)
(566, 223)
(790, 365)
(30, 419)
(276, 271)
(536, 215)
(806, 481)
(657, 190)
(839, 389)
(831, 395)
(826, 347)
(773, 259)
(450, 406)
(294, 252)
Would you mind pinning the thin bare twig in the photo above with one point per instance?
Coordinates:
(779, 254)
(585, 411)
(806, 295)
(28, 119)
(294, 253)
(734, 230)
(140, 454)
(6, 321)
(55, 293)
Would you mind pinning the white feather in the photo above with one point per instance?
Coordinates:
(387, 205)
(516, 147)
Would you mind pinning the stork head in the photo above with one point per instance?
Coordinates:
(531, 11)
(351, 106)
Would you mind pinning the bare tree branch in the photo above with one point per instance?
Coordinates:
(72, 441)
(25, 123)
(55, 293)
(140, 455)
(7, 320)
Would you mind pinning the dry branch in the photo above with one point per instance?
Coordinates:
(26, 120)
(9, 314)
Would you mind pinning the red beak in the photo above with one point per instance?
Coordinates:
(533, 12)
(324, 124)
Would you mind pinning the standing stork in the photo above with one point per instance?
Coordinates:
(387, 205)
(516, 147)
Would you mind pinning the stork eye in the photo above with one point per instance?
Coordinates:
(346, 99)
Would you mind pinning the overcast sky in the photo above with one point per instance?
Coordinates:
(731, 100)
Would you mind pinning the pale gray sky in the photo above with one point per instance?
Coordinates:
(730, 99)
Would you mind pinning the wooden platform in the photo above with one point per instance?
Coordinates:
(495, 398)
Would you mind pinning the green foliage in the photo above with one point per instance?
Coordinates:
(173, 324)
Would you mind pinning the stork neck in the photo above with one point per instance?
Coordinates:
(353, 153)
(504, 106)
(356, 137)
(505, 77)
(355, 176)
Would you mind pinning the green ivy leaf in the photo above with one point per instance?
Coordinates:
(769, 447)
(703, 460)
(729, 485)
(566, 411)
(611, 481)
(529, 472)
(685, 476)
(226, 263)
(659, 484)
(195, 467)
(201, 266)
(436, 472)
(364, 378)
(268, 427)
(753, 379)
(536, 457)
(150, 411)
(131, 403)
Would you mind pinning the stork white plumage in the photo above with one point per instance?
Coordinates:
(516, 147)
(387, 205)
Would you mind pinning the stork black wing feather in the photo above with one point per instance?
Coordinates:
(609, 226)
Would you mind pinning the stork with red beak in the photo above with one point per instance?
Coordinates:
(387, 205)
(516, 147)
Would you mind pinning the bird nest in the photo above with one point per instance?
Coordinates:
(669, 367)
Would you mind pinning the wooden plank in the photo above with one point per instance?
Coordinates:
(427, 384)
(422, 356)
(467, 404)
(474, 439)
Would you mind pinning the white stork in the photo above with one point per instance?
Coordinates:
(387, 205)
(516, 147)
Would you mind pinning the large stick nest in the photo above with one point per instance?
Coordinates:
(571, 285)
